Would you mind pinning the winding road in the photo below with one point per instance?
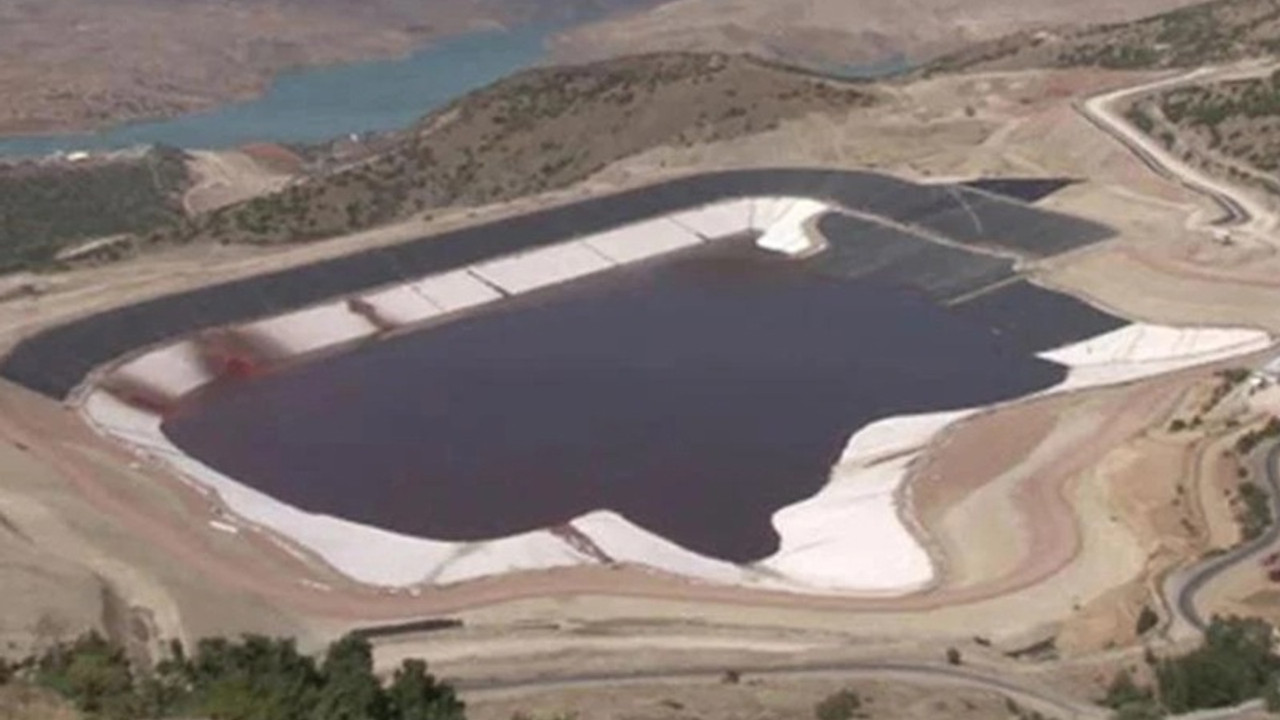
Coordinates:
(1181, 589)
(1239, 211)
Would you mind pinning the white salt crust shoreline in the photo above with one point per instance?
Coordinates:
(849, 537)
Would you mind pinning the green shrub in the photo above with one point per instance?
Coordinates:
(1147, 619)
(842, 705)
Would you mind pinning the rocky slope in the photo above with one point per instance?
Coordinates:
(1211, 32)
(1230, 128)
(536, 131)
(836, 32)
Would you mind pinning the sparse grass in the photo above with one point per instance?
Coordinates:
(1211, 32)
(1238, 119)
(23, 701)
(536, 131)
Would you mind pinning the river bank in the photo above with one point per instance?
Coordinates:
(320, 103)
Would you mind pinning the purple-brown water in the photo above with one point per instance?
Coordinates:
(695, 396)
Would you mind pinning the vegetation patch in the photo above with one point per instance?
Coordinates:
(46, 207)
(254, 678)
(1238, 120)
(1235, 663)
(536, 131)
(1212, 32)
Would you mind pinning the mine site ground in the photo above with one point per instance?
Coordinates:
(95, 532)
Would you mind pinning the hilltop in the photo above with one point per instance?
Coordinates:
(835, 33)
(535, 131)
(1212, 32)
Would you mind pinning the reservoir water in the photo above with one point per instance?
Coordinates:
(695, 396)
(319, 104)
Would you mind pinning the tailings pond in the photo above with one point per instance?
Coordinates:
(695, 395)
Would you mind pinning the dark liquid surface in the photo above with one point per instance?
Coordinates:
(695, 396)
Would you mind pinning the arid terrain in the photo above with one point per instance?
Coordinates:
(834, 33)
(1076, 532)
(73, 64)
(1198, 34)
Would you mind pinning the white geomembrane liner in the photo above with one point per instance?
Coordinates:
(545, 266)
(457, 290)
(174, 370)
(717, 220)
(786, 234)
(1142, 350)
(402, 305)
(308, 330)
(642, 241)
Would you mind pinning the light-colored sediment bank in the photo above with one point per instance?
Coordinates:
(851, 537)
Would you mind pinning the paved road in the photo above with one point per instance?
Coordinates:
(1238, 211)
(1189, 584)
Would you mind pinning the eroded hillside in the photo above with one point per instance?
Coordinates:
(536, 131)
(837, 32)
(1212, 32)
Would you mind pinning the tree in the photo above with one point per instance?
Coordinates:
(415, 695)
(1147, 619)
(93, 673)
(1271, 695)
(838, 706)
(1234, 664)
(1124, 691)
(953, 656)
(256, 679)
(350, 690)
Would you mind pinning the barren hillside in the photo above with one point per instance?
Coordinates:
(837, 31)
(72, 64)
(1209, 32)
(536, 131)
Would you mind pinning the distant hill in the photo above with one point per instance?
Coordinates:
(837, 32)
(75, 64)
(1212, 32)
(535, 131)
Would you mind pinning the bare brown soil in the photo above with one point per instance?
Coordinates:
(78, 64)
(752, 698)
(837, 32)
(1198, 34)
(536, 131)
(167, 556)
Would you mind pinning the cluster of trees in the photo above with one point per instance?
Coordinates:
(1249, 441)
(1236, 663)
(1254, 514)
(254, 678)
(45, 208)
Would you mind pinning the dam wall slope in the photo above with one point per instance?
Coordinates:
(55, 361)
(945, 241)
